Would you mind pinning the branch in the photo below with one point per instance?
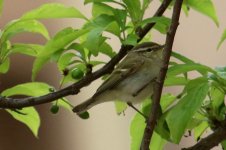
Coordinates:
(75, 88)
(162, 8)
(212, 140)
(70, 90)
(152, 120)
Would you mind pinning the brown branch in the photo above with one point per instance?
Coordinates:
(153, 116)
(141, 33)
(70, 90)
(162, 8)
(75, 88)
(211, 140)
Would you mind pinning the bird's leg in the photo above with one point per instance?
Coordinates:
(131, 105)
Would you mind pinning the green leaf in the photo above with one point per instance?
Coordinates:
(221, 72)
(120, 17)
(183, 68)
(200, 129)
(136, 131)
(106, 49)
(162, 26)
(79, 49)
(134, 9)
(172, 81)
(166, 100)
(157, 142)
(137, 127)
(4, 67)
(205, 7)
(96, 62)
(179, 116)
(89, 1)
(18, 26)
(53, 10)
(60, 41)
(106, 22)
(67, 79)
(114, 28)
(94, 40)
(196, 120)
(219, 78)
(146, 4)
(120, 107)
(185, 8)
(217, 99)
(63, 102)
(103, 21)
(223, 37)
(65, 60)
(131, 39)
(161, 23)
(146, 106)
(162, 127)
(4, 48)
(223, 144)
(182, 58)
(27, 49)
(220, 69)
(28, 89)
(31, 118)
(101, 8)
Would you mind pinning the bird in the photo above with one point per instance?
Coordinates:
(132, 79)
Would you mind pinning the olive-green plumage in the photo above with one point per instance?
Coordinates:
(132, 79)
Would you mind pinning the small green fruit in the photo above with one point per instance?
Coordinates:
(77, 73)
(51, 89)
(54, 109)
(84, 115)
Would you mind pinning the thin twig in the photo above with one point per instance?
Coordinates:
(75, 88)
(142, 32)
(211, 140)
(153, 116)
(70, 90)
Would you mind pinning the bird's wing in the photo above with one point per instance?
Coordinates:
(126, 68)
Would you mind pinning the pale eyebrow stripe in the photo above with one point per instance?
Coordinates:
(155, 47)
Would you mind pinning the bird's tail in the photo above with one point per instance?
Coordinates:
(81, 108)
